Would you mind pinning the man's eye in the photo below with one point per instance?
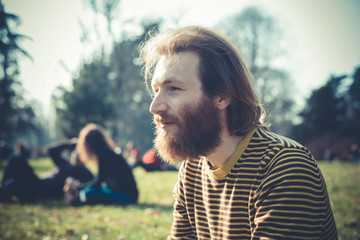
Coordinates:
(174, 89)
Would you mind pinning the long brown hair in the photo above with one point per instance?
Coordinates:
(92, 139)
(222, 71)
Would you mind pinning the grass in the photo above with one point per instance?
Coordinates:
(343, 183)
(152, 217)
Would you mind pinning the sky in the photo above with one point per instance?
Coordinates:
(323, 35)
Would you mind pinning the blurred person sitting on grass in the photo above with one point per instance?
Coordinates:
(114, 182)
(20, 181)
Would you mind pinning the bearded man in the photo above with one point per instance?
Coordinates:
(237, 180)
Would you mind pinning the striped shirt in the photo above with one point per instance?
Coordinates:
(270, 188)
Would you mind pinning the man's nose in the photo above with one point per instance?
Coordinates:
(158, 105)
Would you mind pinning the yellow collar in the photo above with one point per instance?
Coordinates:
(222, 172)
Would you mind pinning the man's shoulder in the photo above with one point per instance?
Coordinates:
(271, 139)
(279, 152)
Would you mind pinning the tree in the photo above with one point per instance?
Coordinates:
(93, 35)
(332, 110)
(133, 101)
(259, 38)
(331, 116)
(89, 99)
(109, 90)
(324, 111)
(107, 9)
(16, 116)
(353, 101)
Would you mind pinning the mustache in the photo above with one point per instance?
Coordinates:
(165, 118)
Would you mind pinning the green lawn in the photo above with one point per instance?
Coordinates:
(151, 218)
(343, 183)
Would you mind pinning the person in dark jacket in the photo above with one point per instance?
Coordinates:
(114, 183)
(20, 181)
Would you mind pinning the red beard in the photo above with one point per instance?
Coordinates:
(197, 134)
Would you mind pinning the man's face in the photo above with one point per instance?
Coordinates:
(188, 125)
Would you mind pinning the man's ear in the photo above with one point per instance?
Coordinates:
(222, 101)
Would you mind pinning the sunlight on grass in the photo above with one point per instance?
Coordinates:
(152, 217)
(343, 181)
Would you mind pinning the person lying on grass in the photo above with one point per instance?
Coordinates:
(20, 183)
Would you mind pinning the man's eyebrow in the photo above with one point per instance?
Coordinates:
(173, 80)
(166, 82)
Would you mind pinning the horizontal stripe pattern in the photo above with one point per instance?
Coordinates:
(274, 189)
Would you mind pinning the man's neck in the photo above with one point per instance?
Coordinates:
(224, 151)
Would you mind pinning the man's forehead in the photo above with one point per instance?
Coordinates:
(166, 62)
(176, 68)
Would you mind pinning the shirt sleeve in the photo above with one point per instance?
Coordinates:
(292, 201)
(55, 152)
(181, 227)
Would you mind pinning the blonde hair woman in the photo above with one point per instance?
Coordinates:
(114, 183)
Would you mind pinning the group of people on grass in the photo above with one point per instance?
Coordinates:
(113, 183)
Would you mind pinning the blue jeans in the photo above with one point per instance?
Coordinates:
(103, 195)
